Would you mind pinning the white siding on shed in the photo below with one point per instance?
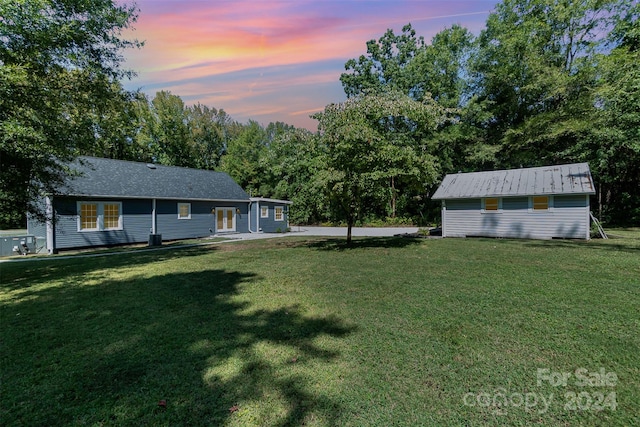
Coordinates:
(567, 218)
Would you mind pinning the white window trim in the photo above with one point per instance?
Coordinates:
(100, 213)
(541, 211)
(275, 215)
(484, 211)
(264, 211)
(184, 204)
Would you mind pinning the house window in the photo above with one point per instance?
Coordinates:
(264, 212)
(111, 216)
(99, 216)
(278, 213)
(540, 203)
(88, 216)
(184, 210)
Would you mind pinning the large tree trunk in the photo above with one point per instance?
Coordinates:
(349, 226)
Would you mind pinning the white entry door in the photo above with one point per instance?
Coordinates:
(225, 219)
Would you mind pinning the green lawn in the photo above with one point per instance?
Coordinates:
(307, 332)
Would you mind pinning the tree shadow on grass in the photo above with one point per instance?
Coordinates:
(340, 244)
(109, 352)
(629, 246)
(21, 274)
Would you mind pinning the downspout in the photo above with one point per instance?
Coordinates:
(49, 225)
(444, 216)
(258, 216)
(153, 217)
(249, 219)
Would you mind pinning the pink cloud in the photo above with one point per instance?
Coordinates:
(194, 48)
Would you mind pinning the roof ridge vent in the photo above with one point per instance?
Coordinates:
(151, 166)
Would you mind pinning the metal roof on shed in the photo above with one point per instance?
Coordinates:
(572, 178)
(117, 178)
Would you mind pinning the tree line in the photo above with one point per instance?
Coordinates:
(544, 82)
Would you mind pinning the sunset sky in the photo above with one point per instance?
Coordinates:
(272, 60)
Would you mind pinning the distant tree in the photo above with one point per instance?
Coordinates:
(115, 129)
(386, 65)
(536, 67)
(59, 72)
(274, 130)
(560, 79)
(207, 134)
(372, 140)
(440, 68)
(292, 166)
(613, 148)
(242, 157)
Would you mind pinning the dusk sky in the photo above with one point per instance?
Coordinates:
(272, 60)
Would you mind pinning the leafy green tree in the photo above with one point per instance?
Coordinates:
(292, 168)
(207, 135)
(370, 141)
(440, 68)
(58, 61)
(613, 149)
(559, 78)
(115, 128)
(168, 131)
(536, 68)
(242, 157)
(386, 65)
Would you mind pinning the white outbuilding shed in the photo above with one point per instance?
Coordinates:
(535, 203)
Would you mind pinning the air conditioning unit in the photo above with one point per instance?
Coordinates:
(17, 245)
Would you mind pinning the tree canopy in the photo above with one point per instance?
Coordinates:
(544, 82)
(60, 71)
(373, 143)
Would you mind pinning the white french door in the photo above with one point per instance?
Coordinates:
(225, 219)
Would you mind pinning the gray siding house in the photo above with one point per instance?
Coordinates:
(269, 215)
(535, 203)
(116, 202)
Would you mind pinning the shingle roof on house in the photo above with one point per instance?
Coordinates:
(572, 178)
(117, 178)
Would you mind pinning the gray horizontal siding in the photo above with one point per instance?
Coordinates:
(36, 228)
(567, 219)
(136, 224)
(202, 222)
(270, 225)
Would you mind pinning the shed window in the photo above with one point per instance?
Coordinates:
(264, 212)
(540, 203)
(184, 210)
(278, 213)
(491, 204)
